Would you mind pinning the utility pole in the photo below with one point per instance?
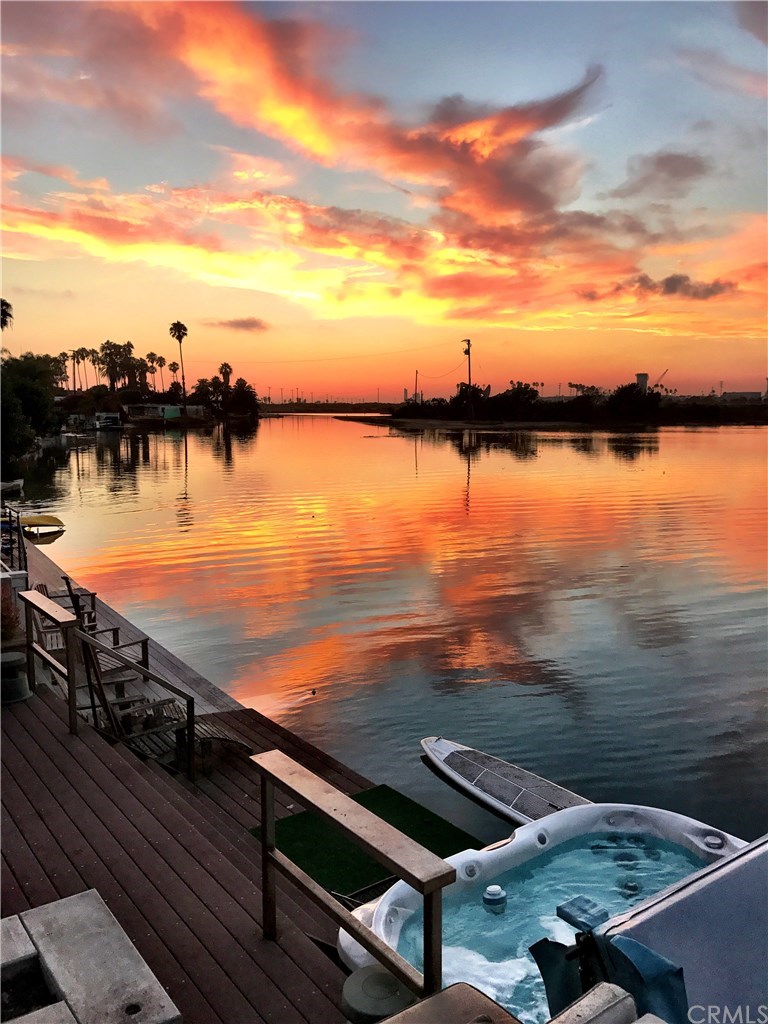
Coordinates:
(416, 388)
(468, 354)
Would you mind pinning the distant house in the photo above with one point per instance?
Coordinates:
(159, 411)
(108, 420)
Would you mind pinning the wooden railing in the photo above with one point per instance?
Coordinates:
(15, 553)
(146, 673)
(421, 869)
(50, 612)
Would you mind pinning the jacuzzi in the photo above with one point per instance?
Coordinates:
(615, 855)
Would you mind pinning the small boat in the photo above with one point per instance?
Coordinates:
(12, 486)
(41, 529)
(507, 790)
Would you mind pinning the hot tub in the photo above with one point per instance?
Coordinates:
(616, 855)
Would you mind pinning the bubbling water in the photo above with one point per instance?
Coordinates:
(490, 951)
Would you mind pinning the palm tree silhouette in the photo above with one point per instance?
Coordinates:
(160, 362)
(174, 368)
(93, 355)
(226, 372)
(152, 359)
(83, 355)
(6, 314)
(179, 331)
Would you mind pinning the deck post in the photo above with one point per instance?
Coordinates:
(433, 942)
(69, 653)
(191, 739)
(268, 870)
(29, 630)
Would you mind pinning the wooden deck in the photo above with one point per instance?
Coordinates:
(177, 868)
(173, 861)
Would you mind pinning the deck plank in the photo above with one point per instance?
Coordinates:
(13, 900)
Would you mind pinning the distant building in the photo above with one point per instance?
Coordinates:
(642, 381)
(165, 411)
(741, 396)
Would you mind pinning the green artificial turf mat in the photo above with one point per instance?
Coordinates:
(336, 864)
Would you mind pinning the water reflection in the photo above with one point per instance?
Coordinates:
(571, 602)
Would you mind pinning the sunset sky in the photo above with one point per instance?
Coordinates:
(332, 196)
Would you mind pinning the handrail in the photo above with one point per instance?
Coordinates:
(421, 869)
(18, 549)
(66, 621)
(147, 673)
(69, 624)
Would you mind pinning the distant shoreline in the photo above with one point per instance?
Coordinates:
(555, 426)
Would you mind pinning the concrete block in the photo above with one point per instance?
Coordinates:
(17, 948)
(603, 1004)
(89, 961)
(57, 1013)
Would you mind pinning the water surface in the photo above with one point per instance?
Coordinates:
(587, 605)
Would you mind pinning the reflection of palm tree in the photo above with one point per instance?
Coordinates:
(179, 331)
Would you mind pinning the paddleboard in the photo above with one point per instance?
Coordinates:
(507, 790)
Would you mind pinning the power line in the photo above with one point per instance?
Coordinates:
(436, 376)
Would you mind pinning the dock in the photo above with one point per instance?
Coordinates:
(174, 861)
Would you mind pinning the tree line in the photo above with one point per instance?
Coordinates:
(30, 383)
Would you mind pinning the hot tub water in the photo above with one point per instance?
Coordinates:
(616, 870)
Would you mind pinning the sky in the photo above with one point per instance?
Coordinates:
(332, 196)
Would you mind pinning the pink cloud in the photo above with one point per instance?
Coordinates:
(713, 69)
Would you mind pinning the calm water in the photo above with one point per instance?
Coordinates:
(590, 606)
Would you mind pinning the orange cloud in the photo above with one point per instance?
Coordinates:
(499, 247)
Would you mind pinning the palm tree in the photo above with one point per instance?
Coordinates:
(160, 364)
(110, 359)
(141, 370)
(63, 359)
(244, 399)
(6, 314)
(83, 355)
(179, 331)
(174, 368)
(226, 372)
(93, 356)
(152, 359)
